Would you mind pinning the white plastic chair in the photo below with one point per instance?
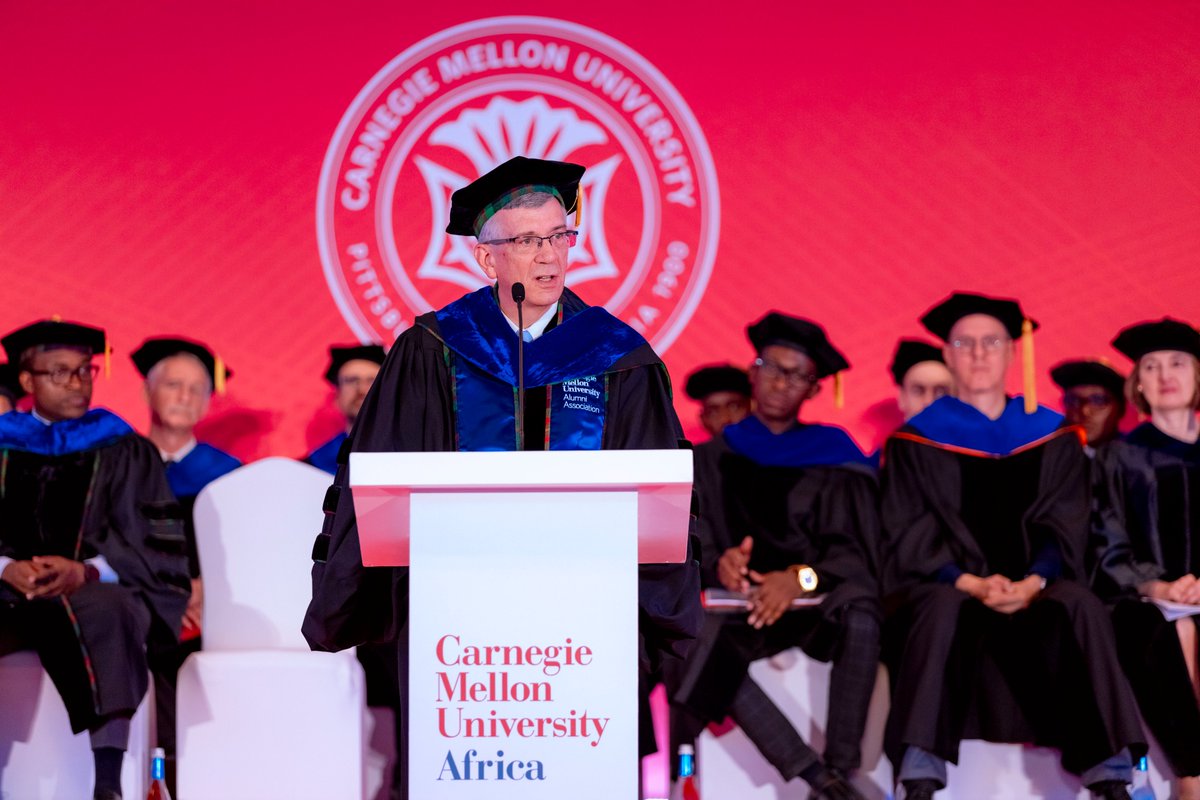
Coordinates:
(39, 756)
(259, 715)
(731, 766)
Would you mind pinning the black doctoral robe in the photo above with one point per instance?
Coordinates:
(412, 408)
(112, 500)
(961, 493)
(822, 515)
(804, 496)
(1148, 528)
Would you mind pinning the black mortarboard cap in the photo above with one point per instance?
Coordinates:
(941, 318)
(338, 356)
(475, 203)
(10, 386)
(53, 332)
(909, 353)
(800, 334)
(1149, 337)
(155, 349)
(1089, 372)
(718, 378)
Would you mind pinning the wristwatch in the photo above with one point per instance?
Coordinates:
(806, 576)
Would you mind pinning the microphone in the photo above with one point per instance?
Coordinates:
(518, 296)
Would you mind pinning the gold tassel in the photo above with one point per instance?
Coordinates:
(107, 359)
(839, 391)
(56, 317)
(1027, 363)
(219, 375)
(578, 206)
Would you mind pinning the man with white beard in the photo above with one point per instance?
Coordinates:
(181, 376)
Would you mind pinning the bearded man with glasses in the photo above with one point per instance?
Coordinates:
(93, 557)
(450, 383)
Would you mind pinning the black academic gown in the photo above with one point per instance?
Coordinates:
(111, 501)
(1047, 675)
(411, 408)
(822, 514)
(1149, 529)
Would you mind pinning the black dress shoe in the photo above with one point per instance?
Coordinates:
(106, 794)
(921, 789)
(833, 786)
(1110, 790)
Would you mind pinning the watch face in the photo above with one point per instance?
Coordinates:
(808, 578)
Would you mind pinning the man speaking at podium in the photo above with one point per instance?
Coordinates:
(450, 383)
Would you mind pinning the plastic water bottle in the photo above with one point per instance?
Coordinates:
(1142, 790)
(158, 776)
(687, 773)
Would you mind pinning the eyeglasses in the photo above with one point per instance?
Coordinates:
(793, 377)
(990, 344)
(531, 244)
(61, 376)
(1096, 400)
(347, 381)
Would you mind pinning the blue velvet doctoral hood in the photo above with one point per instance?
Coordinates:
(325, 456)
(805, 445)
(199, 468)
(949, 421)
(585, 342)
(97, 428)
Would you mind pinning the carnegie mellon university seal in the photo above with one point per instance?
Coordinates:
(464, 100)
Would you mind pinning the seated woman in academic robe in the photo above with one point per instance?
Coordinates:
(1150, 538)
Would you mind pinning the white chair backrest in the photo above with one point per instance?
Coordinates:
(254, 531)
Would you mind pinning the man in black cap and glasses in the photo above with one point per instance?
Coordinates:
(919, 372)
(723, 392)
(351, 371)
(92, 553)
(450, 383)
(788, 511)
(1093, 397)
(992, 632)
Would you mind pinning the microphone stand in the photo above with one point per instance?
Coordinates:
(518, 296)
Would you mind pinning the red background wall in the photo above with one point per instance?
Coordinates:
(159, 167)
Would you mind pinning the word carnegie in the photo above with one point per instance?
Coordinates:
(551, 658)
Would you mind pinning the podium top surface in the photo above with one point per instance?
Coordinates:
(559, 469)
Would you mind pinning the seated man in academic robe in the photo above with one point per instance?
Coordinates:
(352, 370)
(991, 632)
(919, 372)
(788, 510)
(92, 554)
(181, 376)
(450, 383)
(10, 388)
(1093, 398)
(723, 392)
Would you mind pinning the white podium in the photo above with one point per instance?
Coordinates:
(523, 612)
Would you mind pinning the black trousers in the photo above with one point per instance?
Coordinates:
(381, 668)
(1048, 675)
(92, 644)
(716, 682)
(1152, 658)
